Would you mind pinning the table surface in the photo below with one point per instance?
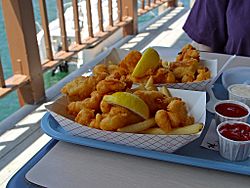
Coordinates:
(120, 170)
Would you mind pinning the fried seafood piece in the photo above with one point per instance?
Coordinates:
(105, 107)
(130, 61)
(181, 69)
(80, 88)
(203, 74)
(95, 123)
(188, 78)
(111, 85)
(92, 103)
(112, 68)
(175, 116)
(188, 52)
(105, 69)
(85, 116)
(177, 112)
(163, 121)
(118, 117)
(100, 68)
(163, 75)
(155, 100)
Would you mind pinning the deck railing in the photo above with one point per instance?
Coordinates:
(21, 34)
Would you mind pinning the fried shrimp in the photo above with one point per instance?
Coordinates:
(177, 112)
(105, 107)
(130, 61)
(110, 85)
(92, 103)
(163, 75)
(188, 52)
(85, 116)
(118, 117)
(154, 99)
(163, 121)
(80, 88)
(95, 123)
(175, 116)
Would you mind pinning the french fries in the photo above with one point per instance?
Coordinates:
(189, 129)
(153, 130)
(165, 91)
(140, 87)
(138, 127)
(150, 85)
(165, 64)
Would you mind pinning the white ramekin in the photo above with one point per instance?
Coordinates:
(220, 118)
(239, 97)
(233, 150)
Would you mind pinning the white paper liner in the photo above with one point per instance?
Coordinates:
(166, 143)
(196, 101)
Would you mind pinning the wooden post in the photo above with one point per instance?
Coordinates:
(89, 18)
(62, 25)
(172, 3)
(142, 4)
(21, 35)
(129, 8)
(100, 16)
(76, 22)
(110, 13)
(45, 24)
(119, 7)
(2, 81)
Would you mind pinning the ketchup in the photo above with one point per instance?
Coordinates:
(236, 131)
(231, 110)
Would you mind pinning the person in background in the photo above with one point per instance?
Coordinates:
(221, 26)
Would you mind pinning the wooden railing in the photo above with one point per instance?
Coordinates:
(21, 34)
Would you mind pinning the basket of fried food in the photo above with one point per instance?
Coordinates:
(108, 109)
(186, 71)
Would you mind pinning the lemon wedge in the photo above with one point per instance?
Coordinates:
(129, 101)
(150, 59)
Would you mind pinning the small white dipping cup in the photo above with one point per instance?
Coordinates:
(230, 149)
(220, 117)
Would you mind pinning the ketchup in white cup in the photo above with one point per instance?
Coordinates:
(234, 140)
(231, 110)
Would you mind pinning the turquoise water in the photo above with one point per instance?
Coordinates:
(10, 103)
(6, 106)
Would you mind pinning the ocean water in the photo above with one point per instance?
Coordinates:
(9, 103)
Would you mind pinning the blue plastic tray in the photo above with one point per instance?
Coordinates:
(191, 154)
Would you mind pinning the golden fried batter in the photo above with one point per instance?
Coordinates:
(118, 117)
(80, 88)
(130, 61)
(188, 52)
(203, 74)
(175, 116)
(95, 123)
(154, 99)
(92, 103)
(163, 75)
(110, 85)
(163, 121)
(85, 116)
